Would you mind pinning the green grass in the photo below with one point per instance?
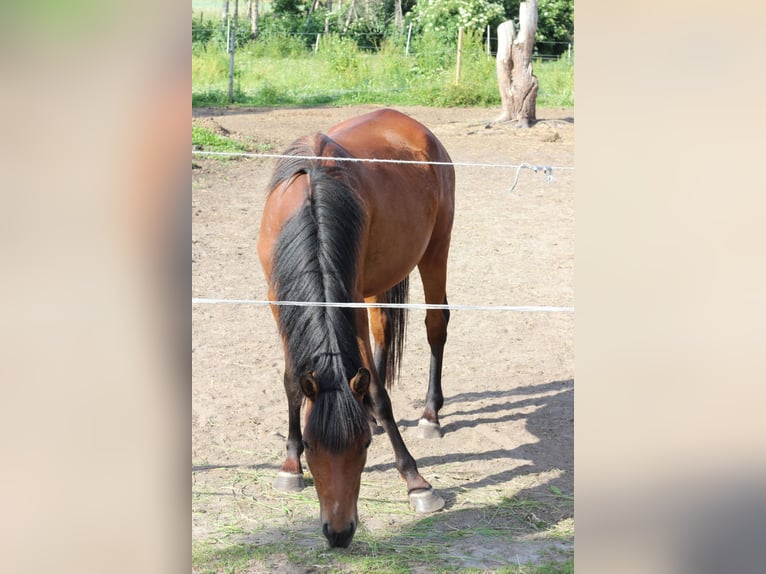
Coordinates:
(205, 139)
(436, 542)
(206, 559)
(565, 567)
(277, 71)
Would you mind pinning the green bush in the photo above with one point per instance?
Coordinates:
(207, 31)
(203, 30)
(342, 54)
(555, 24)
(279, 69)
(445, 16)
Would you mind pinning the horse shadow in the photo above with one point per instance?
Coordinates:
(551, 423)
(514, 527)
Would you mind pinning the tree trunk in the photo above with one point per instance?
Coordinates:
(518, 85)
(254, 19)
(398, 16)
(224, 15)
(311, 11)
(504, 65)
(350, 15)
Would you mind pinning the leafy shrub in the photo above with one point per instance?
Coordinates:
(202, 30)
(341, 53)
(446, 16)
(214, 30)
(555, 24)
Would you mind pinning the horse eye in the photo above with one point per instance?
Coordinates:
(368, 443)
(305, 445)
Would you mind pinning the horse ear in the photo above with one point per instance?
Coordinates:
(360, 383)
(309, 385)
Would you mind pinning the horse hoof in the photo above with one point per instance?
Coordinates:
(426, 501)
(427, 429)
(289, 482)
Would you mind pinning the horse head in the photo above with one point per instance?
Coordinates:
(335, 440)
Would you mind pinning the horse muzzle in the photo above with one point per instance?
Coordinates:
(339, 538)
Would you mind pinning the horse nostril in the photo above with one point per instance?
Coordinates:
(339, 539)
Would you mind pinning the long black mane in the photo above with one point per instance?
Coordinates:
(315, 260)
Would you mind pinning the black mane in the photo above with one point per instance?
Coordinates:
(315, 260)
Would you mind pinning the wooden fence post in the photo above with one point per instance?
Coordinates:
(230, 37)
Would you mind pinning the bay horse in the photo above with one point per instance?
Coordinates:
(338, 232)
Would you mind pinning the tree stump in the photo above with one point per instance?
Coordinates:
(518, 85)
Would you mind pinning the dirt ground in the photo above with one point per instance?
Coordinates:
(508, 376)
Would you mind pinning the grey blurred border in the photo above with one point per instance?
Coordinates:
(669, 441)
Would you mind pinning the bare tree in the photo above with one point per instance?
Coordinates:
(398, 16)
(351, 10)
(518, 85)
(314, 4)
(224, 14)
(254, 18)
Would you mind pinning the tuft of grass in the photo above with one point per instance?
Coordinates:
(205, 139)
(207, 559)
(553, 567)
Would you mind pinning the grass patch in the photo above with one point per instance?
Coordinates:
(206, 139)
(565, 567)
(446, 542)
(275, 72)
(207, 559)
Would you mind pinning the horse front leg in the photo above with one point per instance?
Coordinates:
(290, 477)
(422, 496)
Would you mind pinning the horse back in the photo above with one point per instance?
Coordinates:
(409, 206)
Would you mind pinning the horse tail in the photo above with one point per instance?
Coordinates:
(399, 294)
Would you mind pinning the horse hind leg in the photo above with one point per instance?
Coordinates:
(387, 327)
(433, 271)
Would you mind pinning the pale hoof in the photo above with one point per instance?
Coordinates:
(289, 482)
(426, 501)
(427, 429)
